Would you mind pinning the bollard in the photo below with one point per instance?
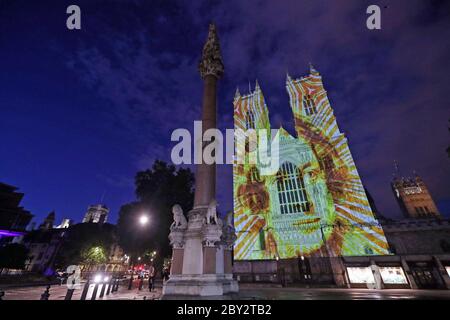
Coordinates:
(109, 286)
(94, 293)
(102, 292)
(85, 290)
(69, 294)
(46, 293)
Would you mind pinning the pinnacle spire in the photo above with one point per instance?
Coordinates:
(237, 94)
(288, 77)
(257, 85)
(312, 69)
(211, 62)
(396, 169)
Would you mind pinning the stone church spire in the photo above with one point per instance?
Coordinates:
(211, 62)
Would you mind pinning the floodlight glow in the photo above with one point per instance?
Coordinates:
(97, 278)
(143, 219)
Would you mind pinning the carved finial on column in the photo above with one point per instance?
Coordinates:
(211, 62)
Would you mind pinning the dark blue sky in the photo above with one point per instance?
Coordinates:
(82, 111)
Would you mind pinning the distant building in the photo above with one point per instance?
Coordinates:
(48, 222)
(12, 215)
(65, 223)
(418, 236)
(13, 218)
(43, 245)
(413, 197)
(96, 214)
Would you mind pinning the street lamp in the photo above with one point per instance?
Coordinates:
(98, 278)
(143, 220)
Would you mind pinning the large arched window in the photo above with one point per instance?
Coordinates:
(308, 105)
(291, 190)
(250, 120)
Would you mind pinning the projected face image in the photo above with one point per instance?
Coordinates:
(315, 204)
(302, 206)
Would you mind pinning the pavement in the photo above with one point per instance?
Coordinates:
(341, 294)
(58, 292)
(247, 292)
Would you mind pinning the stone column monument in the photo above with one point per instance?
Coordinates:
(202, 246)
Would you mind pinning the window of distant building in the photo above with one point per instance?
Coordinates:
(308, 105)
(291, 190)
(250, 120)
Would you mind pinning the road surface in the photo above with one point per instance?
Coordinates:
(246, 293)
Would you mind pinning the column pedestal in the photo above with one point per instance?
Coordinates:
(200, 277)
(176, 266)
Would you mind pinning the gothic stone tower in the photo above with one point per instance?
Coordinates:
(413, 197)
(315, 205)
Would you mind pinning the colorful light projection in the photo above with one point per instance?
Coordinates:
(315, 205)
(10, 233)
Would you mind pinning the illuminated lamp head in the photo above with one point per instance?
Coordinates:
(98, 278)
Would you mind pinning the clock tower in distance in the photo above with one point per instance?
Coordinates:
(413, 197)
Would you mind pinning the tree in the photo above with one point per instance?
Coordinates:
(134, 238)
(87, 244)
(157, 190)
(13, 256)
(93, 256)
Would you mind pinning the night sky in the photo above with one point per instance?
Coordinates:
(82, 111)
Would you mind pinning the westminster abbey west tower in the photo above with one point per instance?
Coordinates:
(315, 205)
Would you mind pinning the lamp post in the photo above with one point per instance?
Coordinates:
(143, 221)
